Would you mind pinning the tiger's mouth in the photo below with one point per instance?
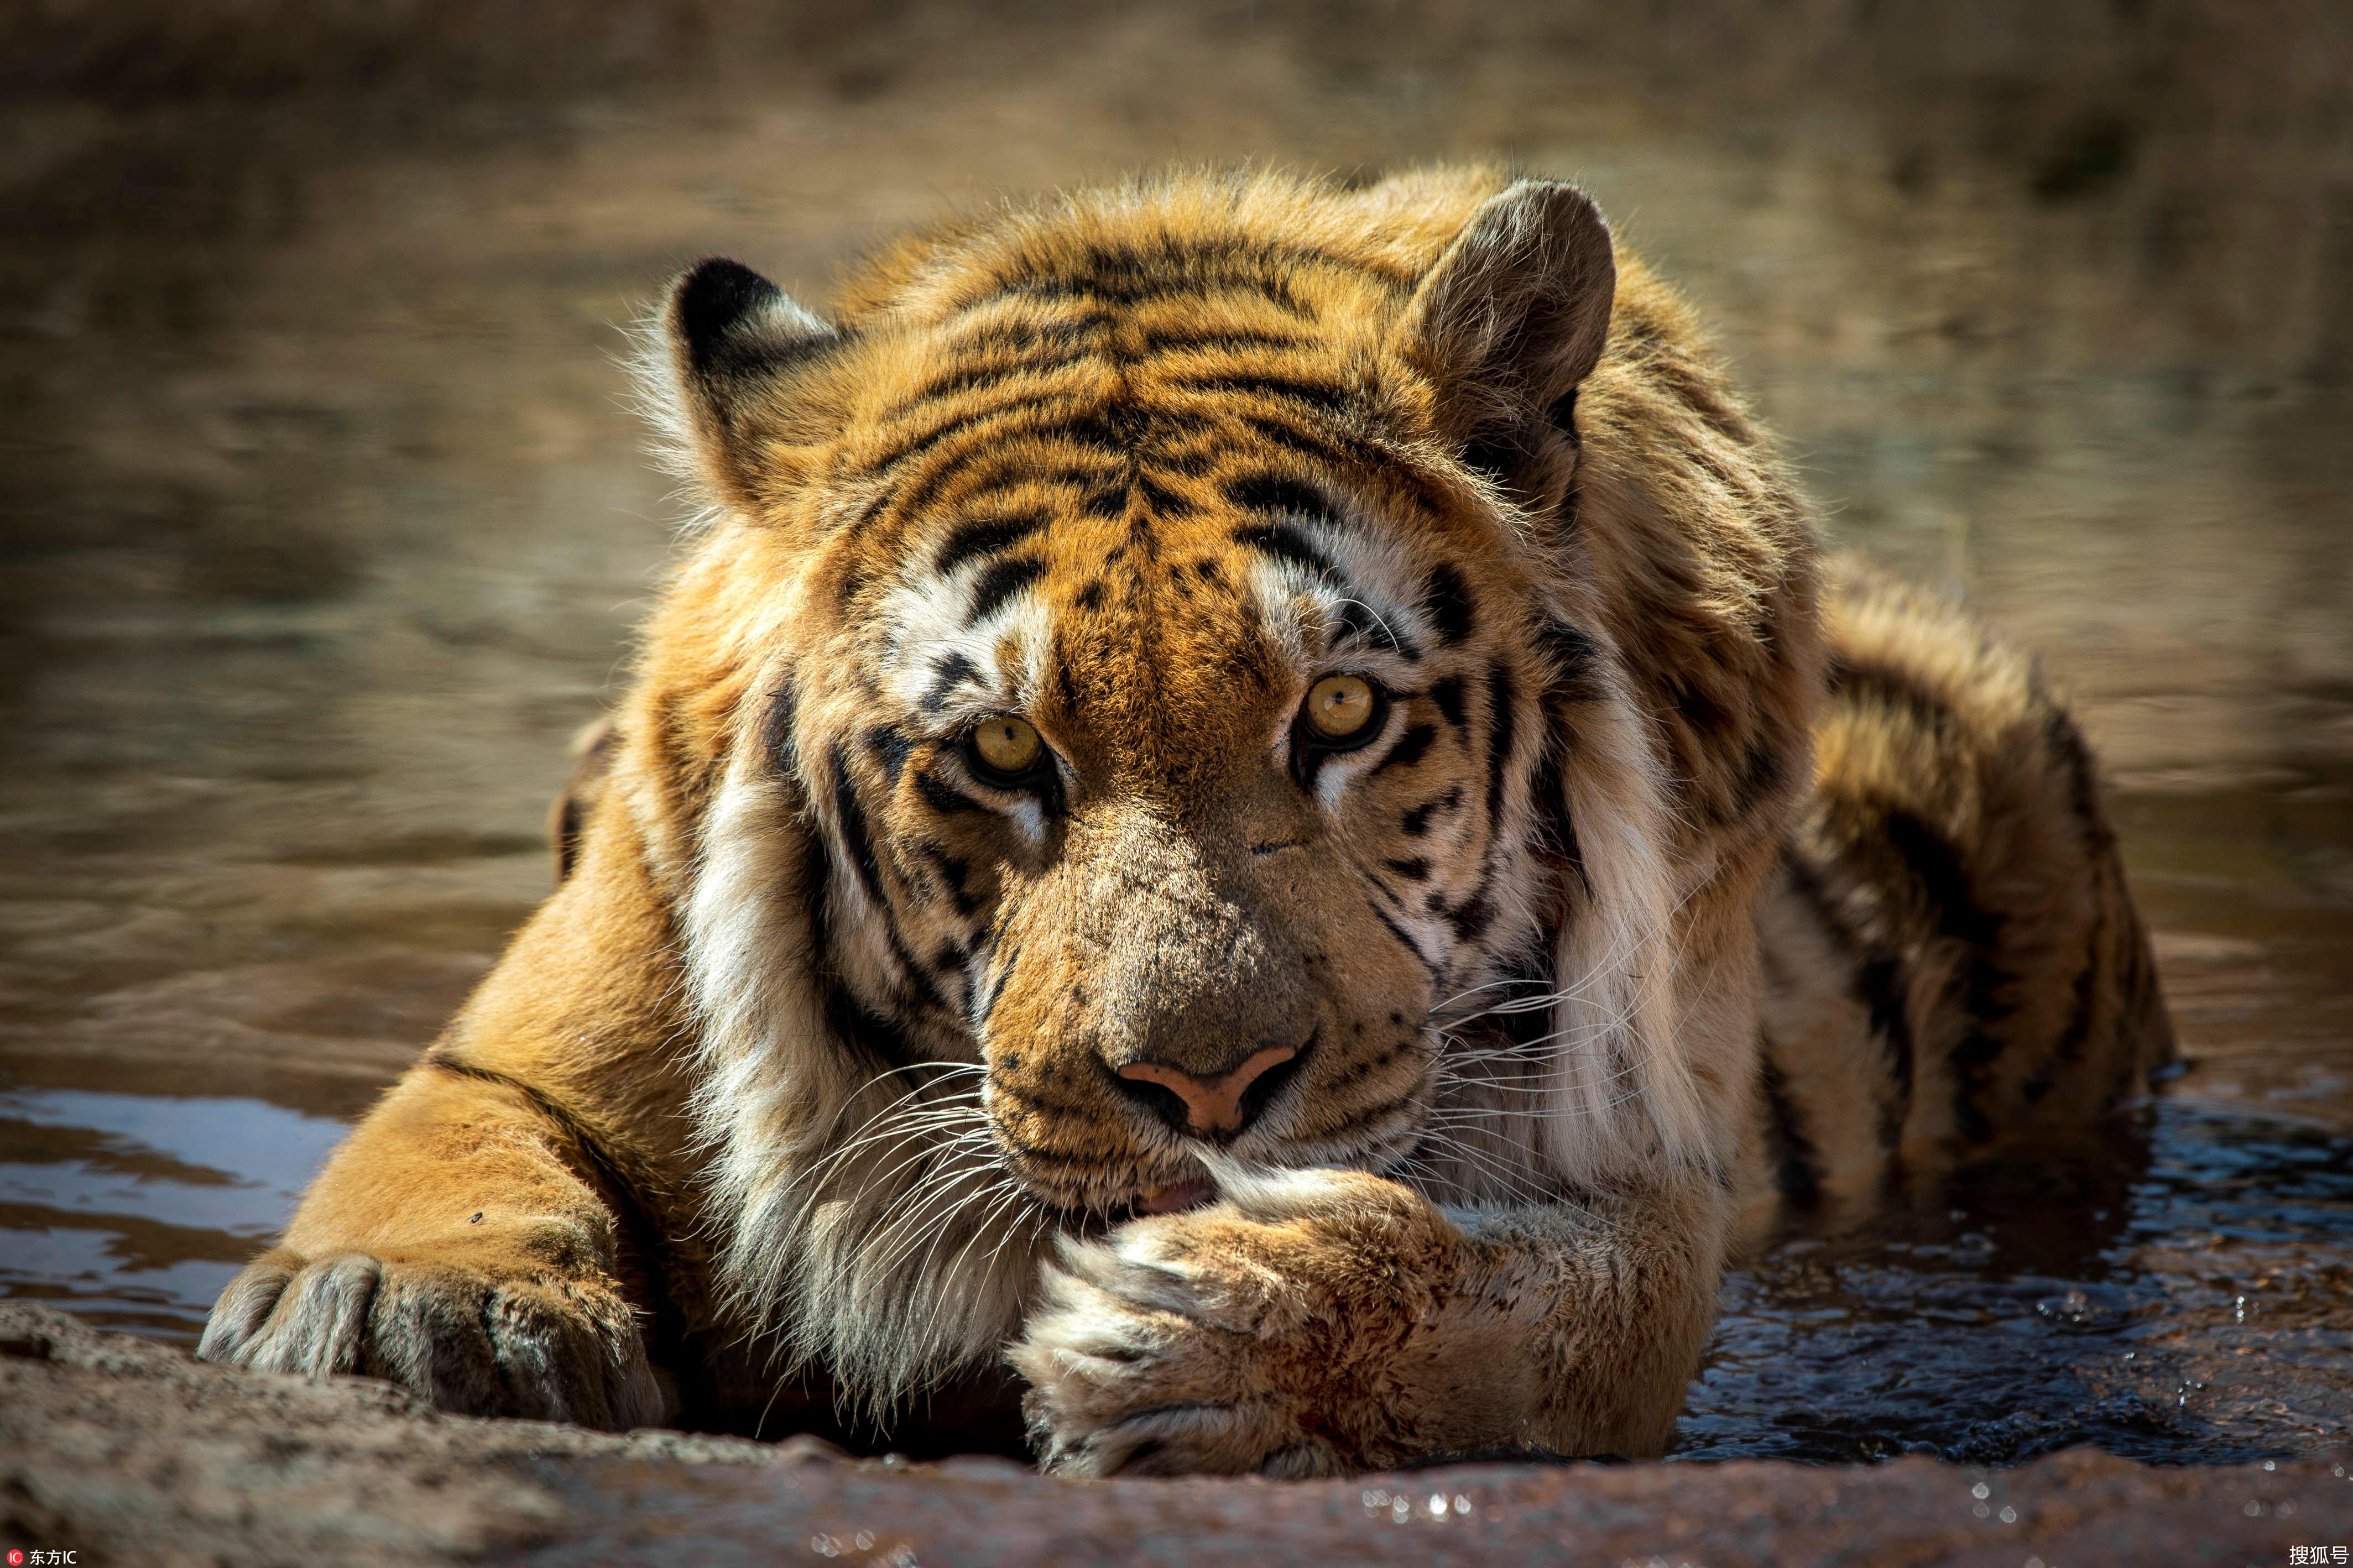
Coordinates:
(1177, 1197)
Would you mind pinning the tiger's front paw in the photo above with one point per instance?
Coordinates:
(1311, 1322)
(473, 1344)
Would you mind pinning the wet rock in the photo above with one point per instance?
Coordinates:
(130, 1452)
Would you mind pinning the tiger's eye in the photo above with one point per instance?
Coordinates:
(1339, 706)
(1007, 744)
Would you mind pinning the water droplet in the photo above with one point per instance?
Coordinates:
(864, 1541)
(1980, 1509)
(1438, 1505)
(1462, 1503)
(1980, 1492)
(2008, 1515)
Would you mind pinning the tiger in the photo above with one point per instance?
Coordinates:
(1254, 836)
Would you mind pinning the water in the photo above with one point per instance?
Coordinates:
(135, 1209)
(2181, 1300)
(326, 527)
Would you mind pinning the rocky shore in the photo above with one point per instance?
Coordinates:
(125, 1451)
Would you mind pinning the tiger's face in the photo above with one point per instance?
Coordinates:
(1170, 688)
(1181, 787)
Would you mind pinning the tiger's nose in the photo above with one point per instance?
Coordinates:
(1216, 1107)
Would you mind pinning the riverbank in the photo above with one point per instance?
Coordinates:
(130, 1452)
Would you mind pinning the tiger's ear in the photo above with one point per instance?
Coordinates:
(1510, 320)
(735, 344)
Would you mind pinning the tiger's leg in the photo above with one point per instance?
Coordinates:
(483, 1237)
(453, 1246)
(1321, 1322)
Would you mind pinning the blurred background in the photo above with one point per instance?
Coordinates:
(323, 525)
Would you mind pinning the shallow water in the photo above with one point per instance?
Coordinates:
(328, 526)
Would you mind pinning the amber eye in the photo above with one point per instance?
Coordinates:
(1005, 748)
(1340, 708)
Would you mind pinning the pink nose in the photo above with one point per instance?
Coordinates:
(1211, 1104)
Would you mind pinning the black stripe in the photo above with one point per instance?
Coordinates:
(866, 1033)
(1128, 278)
(1446, 598)
(777, 742)
(1318, 396)
(1416, 869)
(946, 676)
(1284, 542)
(1795, 1174)
(997, 986)
(1945, 883)
(1000, 583)
(1397, 931)
(992, 470)
(1162, 501)
(1707, 720)
(1762, 775)
(1806, 880)
(1890, 686)
(1880, 983)
(931, 436)
(1191, 463)
(1556, 835)
(955, 873)
(1448, 695)
(1019, 418)
(1172, 339)
(1273, 493)
(1021, 337)
(1501, 695)
(1416, 823)
(1471, 917)
(851, 816)
(1576, 658)
(941, 797)
(2059, 729)
(1408, 749)
(892, 746)
(971, 376)
(1328, 444)
(987, 538)
(2080, 1018)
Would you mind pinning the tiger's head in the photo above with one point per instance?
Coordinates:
(1146, 680)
